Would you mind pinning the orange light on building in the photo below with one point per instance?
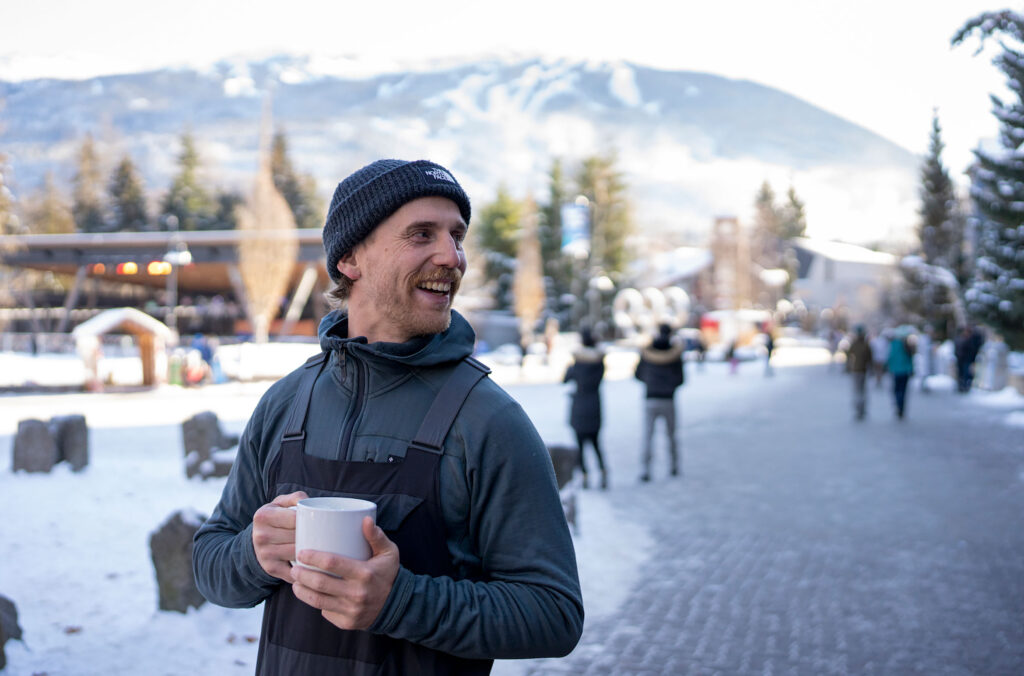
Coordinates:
(158, 268)
(98, 268)
(128, 268)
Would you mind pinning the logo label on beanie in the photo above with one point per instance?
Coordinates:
(439, 175)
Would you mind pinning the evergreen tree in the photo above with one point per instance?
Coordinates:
(792, 218)
(299, 190)
(87, 196)
(766, 242)
(557, 267)
(187, 205)
(47, 211)
(497, 229)
(610, 222)
(127, 199)
(996, 293)
(940, 230)
(226, 217)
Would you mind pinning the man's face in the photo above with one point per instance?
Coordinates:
(406, 273)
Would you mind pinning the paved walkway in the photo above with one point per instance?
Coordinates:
(803, 542)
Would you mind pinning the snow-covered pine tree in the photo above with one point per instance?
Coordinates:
(996, 293)
(941, 227)
(929, 291)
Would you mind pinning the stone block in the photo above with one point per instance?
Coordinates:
(204, 443)
(9, 628)
(171, 549)
(72, 437)
(35, 449)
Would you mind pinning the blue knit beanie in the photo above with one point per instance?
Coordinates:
(376, 191)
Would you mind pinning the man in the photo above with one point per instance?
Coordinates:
(859, 360)
(471, 555)
(661, 370)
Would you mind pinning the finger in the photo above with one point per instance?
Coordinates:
(289, 499)
(335, 564)
(378, 539)
(278, 522)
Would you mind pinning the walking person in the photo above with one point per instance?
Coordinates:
(859, 361)
(661, 370)
(586, 371)
(769, 346)
(880, 353)
(966, 348)
(471, 554)
(901, 365)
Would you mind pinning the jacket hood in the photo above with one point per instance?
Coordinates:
(453, 344)
(656, 356)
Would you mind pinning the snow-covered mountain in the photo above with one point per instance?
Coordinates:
(692, 145)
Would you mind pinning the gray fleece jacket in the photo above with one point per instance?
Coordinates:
(518, 592)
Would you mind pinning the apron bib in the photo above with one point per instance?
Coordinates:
(296, 639)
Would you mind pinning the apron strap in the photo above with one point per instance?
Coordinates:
(447, 404)
(294, 437)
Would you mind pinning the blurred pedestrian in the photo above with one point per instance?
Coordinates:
(586, 371)
(859, 361)
(661, 370)
(769, 345)
(901, 366)
(880, 353)
(730, 356)
(966, 348)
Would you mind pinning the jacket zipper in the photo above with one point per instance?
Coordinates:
(358, 387)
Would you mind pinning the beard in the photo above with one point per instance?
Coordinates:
(404, 311)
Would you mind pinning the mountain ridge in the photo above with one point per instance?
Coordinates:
(691, 145)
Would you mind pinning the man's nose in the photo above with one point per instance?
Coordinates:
(449, 253)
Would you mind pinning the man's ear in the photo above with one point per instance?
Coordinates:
(348, 266)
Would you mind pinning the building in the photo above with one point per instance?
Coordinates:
(844, 277)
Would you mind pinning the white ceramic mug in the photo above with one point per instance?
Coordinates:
(333, 525)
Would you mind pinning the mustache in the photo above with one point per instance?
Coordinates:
(452, 276)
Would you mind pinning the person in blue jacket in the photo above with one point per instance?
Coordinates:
(901, 365)
(472, 559)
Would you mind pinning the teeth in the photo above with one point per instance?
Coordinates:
(440, 287)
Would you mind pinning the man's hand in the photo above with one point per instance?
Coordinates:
(354, 598)
(273, 535)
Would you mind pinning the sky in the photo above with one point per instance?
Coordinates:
(883, 64)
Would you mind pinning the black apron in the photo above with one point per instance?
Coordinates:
(296, 639)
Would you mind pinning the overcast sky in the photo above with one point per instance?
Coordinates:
(884, 64)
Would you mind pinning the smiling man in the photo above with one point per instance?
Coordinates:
(471, 555)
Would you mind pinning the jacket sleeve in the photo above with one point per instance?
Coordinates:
(527, 602)
(224, 561)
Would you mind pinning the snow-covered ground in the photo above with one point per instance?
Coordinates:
(74, 551)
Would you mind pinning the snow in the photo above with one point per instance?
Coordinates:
(623, 86)
(843, 251)
(74, 555)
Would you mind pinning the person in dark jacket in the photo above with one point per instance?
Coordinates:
(859, 361)
(472, 558)
(586, 371)
(661, 370)
(966, 348)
